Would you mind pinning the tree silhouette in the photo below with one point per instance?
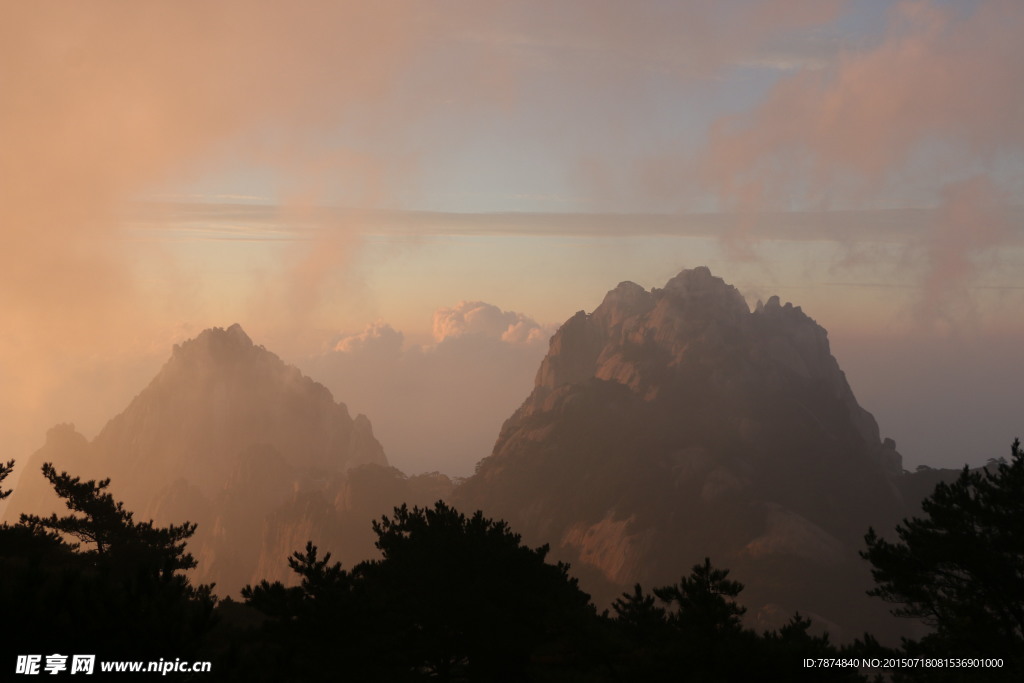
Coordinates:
(107, 525)
(639, 613)
(467, 598)
(704, 601)
(451, 598)
(960, 567)
(699, 636)
(323, 585)
(5, 470)
(124, 595)
(328, 612)
(461, 598)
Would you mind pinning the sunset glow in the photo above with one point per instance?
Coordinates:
(321, 170)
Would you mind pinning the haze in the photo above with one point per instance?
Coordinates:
(406, 199)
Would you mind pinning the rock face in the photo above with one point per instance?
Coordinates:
(674, 424)
(226, 435)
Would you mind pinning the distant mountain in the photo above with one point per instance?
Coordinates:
(229, 436)
(676, 423)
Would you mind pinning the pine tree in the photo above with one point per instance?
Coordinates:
(705, 601)
(118, 587)
(467, 597)
(960, 567)
(5, 471)
(110, 529)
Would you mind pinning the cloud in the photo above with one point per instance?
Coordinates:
(331, 100)
(438, 406)
(933, 109)
(105, 101)
(929, 81)
(479, 318)
(973, 218)
(378, 338)
(612, 40)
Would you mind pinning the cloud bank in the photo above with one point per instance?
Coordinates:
(438, 406)
(933, 108)
(487, 320)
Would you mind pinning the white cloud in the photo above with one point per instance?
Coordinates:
(525, 331)
(487, 320)
(378, 337)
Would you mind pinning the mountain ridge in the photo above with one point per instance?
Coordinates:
(666, 425)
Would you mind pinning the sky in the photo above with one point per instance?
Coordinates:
(406, 198)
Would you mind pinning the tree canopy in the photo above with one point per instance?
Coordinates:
(5, 470)
(451, 598)
(960, 566)
(111, 529)
(467, 595)
(125, 592)
(705, 601)
(696, 633)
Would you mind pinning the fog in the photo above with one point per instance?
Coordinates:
(531, 156)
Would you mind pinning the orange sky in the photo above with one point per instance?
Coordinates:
(551, 124)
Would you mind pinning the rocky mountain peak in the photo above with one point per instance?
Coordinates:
(698, 286)
(627, 300)
(216, 344)
(221, 433)
(676, 423)
(219, 394)
(650, 340)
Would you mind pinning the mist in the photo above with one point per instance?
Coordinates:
(406, 201)
(741, 110)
